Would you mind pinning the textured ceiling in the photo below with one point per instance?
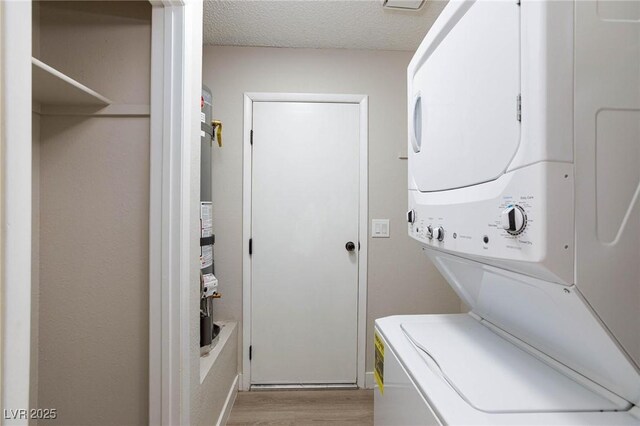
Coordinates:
(349, 24)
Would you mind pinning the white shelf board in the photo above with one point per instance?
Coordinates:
(51, 87)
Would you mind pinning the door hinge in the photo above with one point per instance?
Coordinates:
(250, 246)
(519, 108)
(250, 352)
(251, 137)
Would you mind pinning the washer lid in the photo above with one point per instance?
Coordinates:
(463, 97)
(495, 376)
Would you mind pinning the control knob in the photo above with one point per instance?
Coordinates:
(429, 232)
(438, 233)
(411, 216)
(513, 219)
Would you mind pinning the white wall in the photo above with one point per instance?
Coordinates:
(401, 279)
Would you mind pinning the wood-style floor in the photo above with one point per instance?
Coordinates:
(303, 407)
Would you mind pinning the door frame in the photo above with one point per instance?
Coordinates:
(363, 217)
(176, 84)
(15, 205)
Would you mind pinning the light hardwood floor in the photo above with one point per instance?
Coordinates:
(303, 407)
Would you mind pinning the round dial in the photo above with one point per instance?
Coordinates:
(411, 216)
(513, 219)
(429, 232)
(438, 233)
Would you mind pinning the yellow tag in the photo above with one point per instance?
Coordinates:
(379, 363)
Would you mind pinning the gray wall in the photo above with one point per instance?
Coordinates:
(35, 263)
(401, 279)
(35, 227)
(92, 348)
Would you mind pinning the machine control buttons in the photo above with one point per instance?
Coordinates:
(438, 233)
(429, 232)
(411, 216)
(513, 219)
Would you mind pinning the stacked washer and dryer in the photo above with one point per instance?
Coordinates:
(524, 187)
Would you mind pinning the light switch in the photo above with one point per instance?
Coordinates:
(380, 228)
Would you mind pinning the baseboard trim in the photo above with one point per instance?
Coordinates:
(302, 387)
(228, 404)
(369, 380)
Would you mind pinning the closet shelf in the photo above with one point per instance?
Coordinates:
(51, 87)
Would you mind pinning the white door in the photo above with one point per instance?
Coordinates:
(305, 199)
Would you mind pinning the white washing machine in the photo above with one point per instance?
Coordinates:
(524, 190)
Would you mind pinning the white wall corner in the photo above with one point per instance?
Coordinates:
(369, 380)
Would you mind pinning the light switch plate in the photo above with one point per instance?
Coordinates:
(380, 228)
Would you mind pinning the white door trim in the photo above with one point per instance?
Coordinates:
(16, 168)
(176, 63)
(363, 102)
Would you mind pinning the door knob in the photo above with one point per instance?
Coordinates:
(350, 246)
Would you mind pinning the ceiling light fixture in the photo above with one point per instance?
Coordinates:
(403, 4)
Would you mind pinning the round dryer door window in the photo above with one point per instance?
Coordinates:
(416, 134)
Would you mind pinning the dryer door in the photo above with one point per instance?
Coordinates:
(464, 127)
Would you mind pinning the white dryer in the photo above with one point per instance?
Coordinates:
(524, 190)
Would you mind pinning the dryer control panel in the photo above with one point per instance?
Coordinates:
(522, 221)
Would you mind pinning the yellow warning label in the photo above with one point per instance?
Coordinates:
(379, 363)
